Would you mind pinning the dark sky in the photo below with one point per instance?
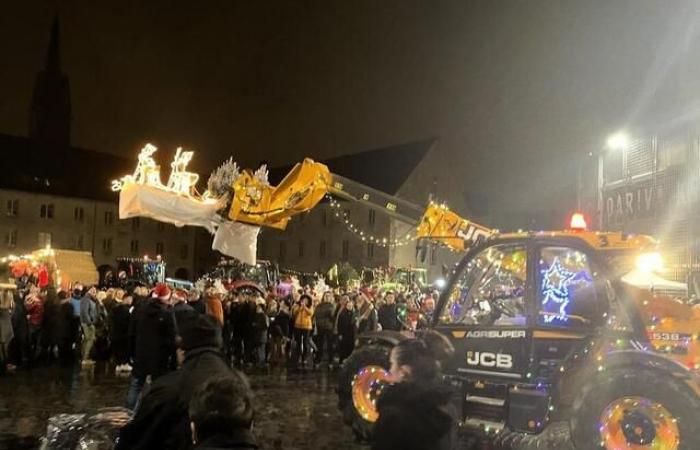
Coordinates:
(517, 91)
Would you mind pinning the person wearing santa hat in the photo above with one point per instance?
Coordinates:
(152, 341)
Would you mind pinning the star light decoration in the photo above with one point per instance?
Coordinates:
(555, 288)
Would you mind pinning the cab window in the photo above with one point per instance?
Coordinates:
(491, 289)
(567, 291)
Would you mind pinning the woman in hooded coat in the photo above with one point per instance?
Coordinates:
(417, 401)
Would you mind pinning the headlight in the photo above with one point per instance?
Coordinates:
(650, 262)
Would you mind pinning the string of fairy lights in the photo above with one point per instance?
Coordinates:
(381, 241)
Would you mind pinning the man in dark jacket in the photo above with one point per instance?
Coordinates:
(161, 420)
(388, 316)
(151, 341)
(221, 413)
(323, 317)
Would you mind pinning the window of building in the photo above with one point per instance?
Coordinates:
(44, 239)
(346, 249)
(46, 211)
(78, 242)
(322, 249)
(11, 239)
(372, 217)
(159, 248)
(184, 251)
(160, 226)
(301, 249)
(283, 250)
(135, 223)
(109, 217)
(78, 214)
(134, 247)
(107, 246)
(12, 208)
(370, 250)
(433, 255)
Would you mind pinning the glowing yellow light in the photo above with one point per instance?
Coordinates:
(650, 262)
(180, 181)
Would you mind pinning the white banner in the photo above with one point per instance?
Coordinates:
(141, 200)
(237, 240)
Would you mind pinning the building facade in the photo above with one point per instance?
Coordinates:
(54, 194)
(651, 186)
(315, 241)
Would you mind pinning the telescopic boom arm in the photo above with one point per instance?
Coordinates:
(309, 181)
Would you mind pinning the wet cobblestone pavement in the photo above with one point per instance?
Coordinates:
(296, 410)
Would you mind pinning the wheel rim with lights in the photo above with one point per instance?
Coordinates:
(635, 423)
(367, 386)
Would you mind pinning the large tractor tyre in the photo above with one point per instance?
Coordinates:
(360, 382)
(640, 409)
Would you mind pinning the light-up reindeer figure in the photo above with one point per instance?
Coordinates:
(180, 180)
(146, 172)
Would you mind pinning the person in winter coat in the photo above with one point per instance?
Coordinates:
(161, 421)
(119, 333)
(194, 300)
(260, 327)
(417, 401)
(214, 307)
(323, 318)
(346, 329)
(151, 341)
(20, 328)
(7, 304)
(366, 314)
(88, 320)
(387, 314)
(302, 315)
(221, 414)
(34, 304)
(64, 329)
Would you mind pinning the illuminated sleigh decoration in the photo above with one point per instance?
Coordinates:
(177, 202)
(234, 206)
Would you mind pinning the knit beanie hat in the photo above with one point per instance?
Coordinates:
(199, 330)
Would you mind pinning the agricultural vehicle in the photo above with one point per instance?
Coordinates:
(396, 278)
(546, 330)
(236, 275)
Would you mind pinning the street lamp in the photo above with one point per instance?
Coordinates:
(618, 141)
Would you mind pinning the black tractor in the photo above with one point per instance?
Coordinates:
(554, 349)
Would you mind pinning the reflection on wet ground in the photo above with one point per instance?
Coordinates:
(295, 410)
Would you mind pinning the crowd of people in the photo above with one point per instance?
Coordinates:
(173, 342)
(287, 325)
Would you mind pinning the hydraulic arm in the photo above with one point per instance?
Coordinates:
(309, 181)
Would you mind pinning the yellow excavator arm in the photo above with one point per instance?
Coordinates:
(308, 182)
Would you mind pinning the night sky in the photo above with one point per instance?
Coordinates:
(517, 91)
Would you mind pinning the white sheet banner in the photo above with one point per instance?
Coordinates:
(138, 200)
(237, 240)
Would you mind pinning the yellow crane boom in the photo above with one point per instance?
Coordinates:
(308, 182)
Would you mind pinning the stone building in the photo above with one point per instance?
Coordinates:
(318, 239)
(52, 193)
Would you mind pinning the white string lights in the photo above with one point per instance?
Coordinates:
(380, 241)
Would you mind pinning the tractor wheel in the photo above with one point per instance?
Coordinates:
(625, 410)
(360, 382)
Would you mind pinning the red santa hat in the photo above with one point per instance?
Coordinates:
(161, 291)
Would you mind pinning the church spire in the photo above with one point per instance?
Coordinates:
(50, 114)
(53, 56)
